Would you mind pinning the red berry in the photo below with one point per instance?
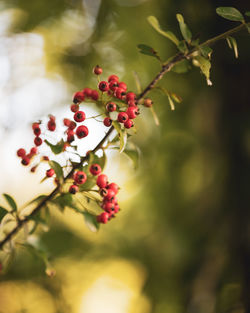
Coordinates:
(38, 141)
(33, 151)
(114, 187)
(123, 86)
(94, 95)
(80, 177)
(33, 169)
(122, 117)
(108, 207)
(119, 93)
(128, 124)
(130, 96)
(103, 218)
(109, 195)
(70, 135)
(132, 103)
(97, 70)
(72, 125)
(103, 86)
(50, 172)
(113, 77)
(78, 97)
(95, 169)
(73, 189)
(79, 116)
(87, 92)
(132, 112)
(51, 125)
(45, 158)
(102, 181)
(21, 152)
(37, 130)
(52, 117)
(35, 125)
(107, 121)
(25, 160)
(66, 122)
(74, 108)
(111, 107)
(117, 208)
(113, 85)
(82, 131)
(148, 102)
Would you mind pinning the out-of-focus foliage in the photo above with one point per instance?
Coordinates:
(181, 242)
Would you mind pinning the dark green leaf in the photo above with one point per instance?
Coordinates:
(37, 199)
(182, 46)
(11, 201)
(144, 49)
(3, 212)
(57, 148)
(206, 51)
(233, 45)
(88, 185)
(91, 221)
(58, 170)
(155, 24)
(205, 66)
(122, 135)
(247, 13)
(181, 67)
(185, 31)
(230, 13)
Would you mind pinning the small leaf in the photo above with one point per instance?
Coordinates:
(206, 51)
(181, 67)
(175, 97)
(133, 154)
(247, 13)
(155, 117)
(233, 45)
(205, 66)
(58, 170)
(91, 222)
(63, 200)
(155, 24)
(185, 31)
(122, 135)
(3, 212)
(182, 46)
(144, 49)
(57, 148)
(88, 185)
(11, 201)
(230, 13)
(37, 199)
(171, 103)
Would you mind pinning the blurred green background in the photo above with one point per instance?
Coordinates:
(181, 242)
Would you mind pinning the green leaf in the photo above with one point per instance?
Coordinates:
(37, 199)
(122, 135)
(181, 67)
(57, 148)
(58, 170)
(175, 97)
(63, 200)
(233, 45)
(205, 51)
(93, 159)
(155, 24)
(205, 66)
(133, 154)
(182, 46)
(230, 13)
(247, 13)
(3, 212)
(88, 185)
(185, 31)
(11, 201)
(144, 49)
(91, 222)
(171, 103)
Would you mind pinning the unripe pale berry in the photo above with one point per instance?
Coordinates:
(80, 177)
(79, 116)
(73, 189)
(103, 86)
(50, 172)
(148, 102)
(128, 124)
(21, 152)
(111, 107)
(97, 70)
(122, 117)
(74, 108)
(78, 97)
(95, 169)
(107, 122)
(82, 131)
(38, 141)
(102, 181)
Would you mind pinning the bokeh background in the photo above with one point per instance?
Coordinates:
(181, 242)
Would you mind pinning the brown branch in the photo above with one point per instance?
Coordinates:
(165, 68)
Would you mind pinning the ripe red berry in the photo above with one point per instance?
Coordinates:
(132, 103)
(97, 70)
(110, 194)
(132, 112)
(102, 181)
(74, 108)
(37, 130)
(70, 135)
(50, 172)
(25, 160)
(51, 125)
(107, 121)
(33, 151)
(72, 125)
(80, 177)
(66, 122)
(33, 169)
(122, 117)
(45, 158)
(114, 187)
(113, 85)
(73, 189)
(108, 207)
(103, 218)
(35, 125)
(82, 131)
(128, 124)
(111, 107)
(94, 95)
(87, 92)
(113, 77)
(103, 86)
(123, 86)
(79, 116)
(119, 93)
(117, 208)
(78, 97)
(130, 96)
(95, 169)
(21, 152)
(38, 141)
(148, 102)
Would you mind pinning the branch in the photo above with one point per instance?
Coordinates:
(165, 69)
